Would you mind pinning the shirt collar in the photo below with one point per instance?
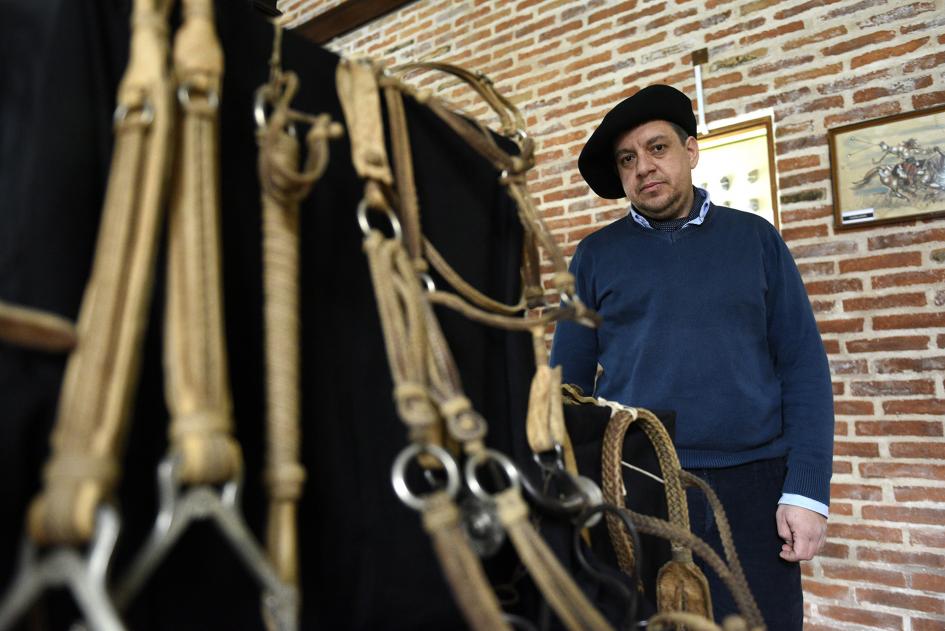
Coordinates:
(695, 221)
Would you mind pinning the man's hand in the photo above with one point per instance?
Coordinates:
(804, 532)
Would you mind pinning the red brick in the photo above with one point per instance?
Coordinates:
(638, 16)
(554, 33)
(804, 214)
(809, 142)
(825, 590)
(906, 238)
(920, 494)
(847, 82)
(582, 35)
(588, 61)
(636, 76)
(862, 450)
(911, 515)
(898, 428)
(886, 53)
(669, 18)
(895, 343)
(870, 39)
(909, 321)
(807, 75)
(835, 551)
(714, 35)
(804, 6)
(928, 582)
(925, 624)
(841, 508)
(821, 287)
(901, 87)
(848, 367)
(827, 248)
(891, 387)
(790, 27)
(779, 65)
(901, 279)
(884, 302)
(856, 492)
(641, 43)
(934, 537)
(873, 619)
(928, 62)
(561, 56)
(901, 470)
(803, 178)
(820, 268)
(859, 574)
(881, 261)
(923, 101)
(823, 306)
(857, 114)
(842, 467)
(832, 346)
(903, 364)
(895, 557)
(926, 451)
(915, 406)
(853, 407)
(900, 600)
(851, 325)
(802, 162)
(830, 33)
(531, 26)
(611, 11)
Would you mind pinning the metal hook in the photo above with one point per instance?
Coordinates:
(200, 502)
(84, 576)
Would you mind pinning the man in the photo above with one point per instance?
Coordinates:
(704, 312)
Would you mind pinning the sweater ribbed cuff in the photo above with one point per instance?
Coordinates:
(809, 481)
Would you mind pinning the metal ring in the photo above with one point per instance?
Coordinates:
(511, 472)
(428, 283)
(259, 106)
(183, 95)
(122, 111)
(366, 225)
(398, 473)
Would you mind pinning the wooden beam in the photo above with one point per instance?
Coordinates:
(346, 17)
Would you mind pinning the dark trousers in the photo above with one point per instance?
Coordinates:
(749, 493)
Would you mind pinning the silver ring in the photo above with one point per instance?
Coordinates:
(511, 472)
(398, 473)
(259, 106)
(366, 225)
(183, 95)
(428, 283)
(122, 111)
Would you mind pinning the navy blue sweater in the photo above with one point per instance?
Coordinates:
(712, 321)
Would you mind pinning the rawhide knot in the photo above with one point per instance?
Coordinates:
(285, 481)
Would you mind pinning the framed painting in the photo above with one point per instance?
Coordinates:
(736, 166)
(888, 169)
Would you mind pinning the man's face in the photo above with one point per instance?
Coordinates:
(655, 168)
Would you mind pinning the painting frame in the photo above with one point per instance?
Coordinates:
(865, 169)
(757, 157)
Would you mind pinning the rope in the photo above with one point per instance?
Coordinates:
(284, 184)
(102, 370)
(197, 388)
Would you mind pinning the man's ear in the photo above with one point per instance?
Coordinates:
(692, 148)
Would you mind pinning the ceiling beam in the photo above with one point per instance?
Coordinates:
(346, 17)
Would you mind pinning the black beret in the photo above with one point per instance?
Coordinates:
(655, 102)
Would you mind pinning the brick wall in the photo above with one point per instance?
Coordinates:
(879, 293)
